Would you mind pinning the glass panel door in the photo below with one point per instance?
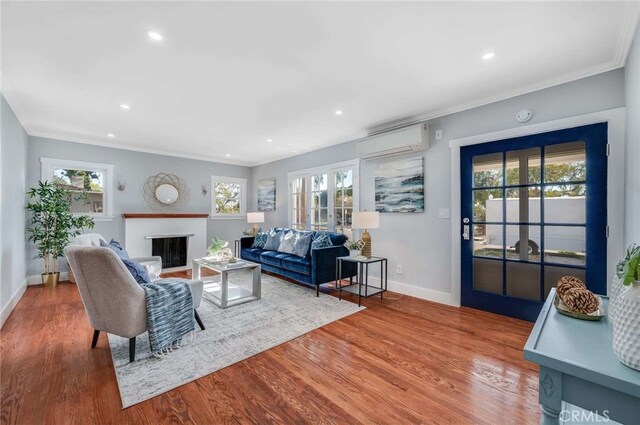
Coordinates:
(536, 211)
(299, 203)
(343, 200)
(319, 202)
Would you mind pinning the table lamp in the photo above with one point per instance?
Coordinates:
(366, 220)
(255, 218)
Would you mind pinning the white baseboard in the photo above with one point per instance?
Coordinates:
(11, 304)
(417, 291)
(35, 279)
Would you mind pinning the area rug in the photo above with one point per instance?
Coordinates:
(285, 311)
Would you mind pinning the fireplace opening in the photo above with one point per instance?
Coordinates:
(173, 250)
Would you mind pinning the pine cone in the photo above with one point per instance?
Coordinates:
(580, 300)
(568, 282)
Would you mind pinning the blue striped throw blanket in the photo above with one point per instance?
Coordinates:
(170, 316)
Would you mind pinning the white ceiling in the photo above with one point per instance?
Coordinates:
(229, 76)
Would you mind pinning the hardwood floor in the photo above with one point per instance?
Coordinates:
(402, 360)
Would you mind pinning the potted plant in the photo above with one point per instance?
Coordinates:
(218, 248)
(354, 247)
(626, 321)
(52, 224)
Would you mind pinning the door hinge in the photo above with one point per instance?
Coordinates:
(608, 149)
(607, 230)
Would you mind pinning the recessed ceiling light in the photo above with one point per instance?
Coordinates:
(111, 135)
(154, 35)
(228, 155)
(488, 55)
(125, 106)
(338, 112)
(269, 140)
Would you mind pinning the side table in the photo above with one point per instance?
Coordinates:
(362, 278)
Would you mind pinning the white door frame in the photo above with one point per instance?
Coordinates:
(615, 182)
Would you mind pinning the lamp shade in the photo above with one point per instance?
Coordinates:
(366, 220)
(255, 217)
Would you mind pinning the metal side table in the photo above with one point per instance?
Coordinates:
(362, 278)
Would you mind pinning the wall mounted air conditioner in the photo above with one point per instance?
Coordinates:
(403, 140)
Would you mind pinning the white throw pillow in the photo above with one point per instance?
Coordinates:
(288, 244)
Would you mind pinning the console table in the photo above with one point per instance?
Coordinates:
(578, 366)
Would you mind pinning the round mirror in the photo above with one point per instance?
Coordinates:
(166, 194)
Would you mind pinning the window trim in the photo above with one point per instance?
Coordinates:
(243, 198)
(329, 169)
(48, 165)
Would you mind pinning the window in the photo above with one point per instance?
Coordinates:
(91, 185)
(324, 198)
(228, 197)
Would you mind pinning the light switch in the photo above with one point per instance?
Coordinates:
(443, 213)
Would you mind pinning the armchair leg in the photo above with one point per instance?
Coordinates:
(198, 319)
(132, 349)
(94, 341)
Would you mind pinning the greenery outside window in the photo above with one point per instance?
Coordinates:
(94, 179)
(228, 197)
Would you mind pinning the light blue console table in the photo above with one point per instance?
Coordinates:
(578, 366)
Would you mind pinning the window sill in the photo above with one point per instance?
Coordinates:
(228, 217)
(100, 217)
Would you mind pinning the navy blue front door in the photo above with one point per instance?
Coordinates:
(534, 209)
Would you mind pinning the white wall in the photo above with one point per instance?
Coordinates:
(422, 242)
(632, 187)
(13, 161)
(133, 169)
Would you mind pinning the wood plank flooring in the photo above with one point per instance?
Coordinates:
(400, 361)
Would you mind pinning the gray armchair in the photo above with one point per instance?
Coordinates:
(113, 300)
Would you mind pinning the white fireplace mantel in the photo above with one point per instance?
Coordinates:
(140, 229)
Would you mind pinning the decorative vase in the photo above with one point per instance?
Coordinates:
(617, 287)
(354, 253)
(626, 326)
(50, 279)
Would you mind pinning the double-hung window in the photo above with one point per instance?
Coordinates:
(90, 183)
(228, 197)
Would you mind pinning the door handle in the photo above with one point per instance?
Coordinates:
(465, 229)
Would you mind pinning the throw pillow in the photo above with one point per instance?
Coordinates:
(137, 270)
(115, 247)
(321, 241)
(260, 240)
(288, 244)
(302, 244)
(274, 238)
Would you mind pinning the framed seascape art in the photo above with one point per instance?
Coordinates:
(399, 186)
(267, 195)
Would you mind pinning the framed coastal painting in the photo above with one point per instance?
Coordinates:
(267, 195)
(399, 186)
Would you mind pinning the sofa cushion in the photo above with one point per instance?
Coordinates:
(288, 244)
(274, 237)
(303, 243)
(137, 270)
(273, 258)
(252, 254)
(259, 240)
(321, 240)
(297, 264)
(337, 238)
(115, 247)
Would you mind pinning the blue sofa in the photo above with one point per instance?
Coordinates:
(318, 267)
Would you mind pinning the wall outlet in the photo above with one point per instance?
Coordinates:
(399, 269)
(443, 213)
(438, 134)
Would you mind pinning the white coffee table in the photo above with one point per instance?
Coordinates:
(219, 290)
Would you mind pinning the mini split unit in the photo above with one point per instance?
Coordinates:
(403, 140)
